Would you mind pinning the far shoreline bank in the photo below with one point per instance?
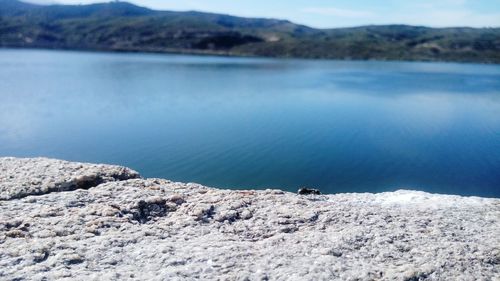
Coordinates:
(241, 56)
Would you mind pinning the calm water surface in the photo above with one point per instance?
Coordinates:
(259, 123)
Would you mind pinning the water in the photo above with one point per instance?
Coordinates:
(259, 123)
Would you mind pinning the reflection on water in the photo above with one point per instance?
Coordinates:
(246, 123)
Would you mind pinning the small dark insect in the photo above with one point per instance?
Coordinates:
(308, 191)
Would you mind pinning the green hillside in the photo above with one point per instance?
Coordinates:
(121, 26)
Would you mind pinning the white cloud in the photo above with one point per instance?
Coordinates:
(43, 2)
(434, 13)
(446, 13)
(443, 13)
(337, 12)
(449, 18)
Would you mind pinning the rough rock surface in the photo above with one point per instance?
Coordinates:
(21, 177)
(154, 229)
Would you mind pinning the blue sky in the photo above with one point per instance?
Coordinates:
(342, 13)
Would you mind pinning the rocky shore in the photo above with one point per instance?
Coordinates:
(73, 221)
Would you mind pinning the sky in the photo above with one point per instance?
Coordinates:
(340, 13)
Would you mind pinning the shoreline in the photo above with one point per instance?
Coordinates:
(223, 54)
(66, 220)
(118, 173)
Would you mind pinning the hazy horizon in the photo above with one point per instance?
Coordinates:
(342, 13)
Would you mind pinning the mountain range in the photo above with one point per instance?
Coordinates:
(121, 26)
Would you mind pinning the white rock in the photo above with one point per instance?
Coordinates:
(152, 229)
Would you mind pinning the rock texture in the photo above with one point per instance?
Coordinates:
(122, 227)
(36, 176)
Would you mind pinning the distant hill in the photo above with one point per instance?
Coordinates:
(121, 26)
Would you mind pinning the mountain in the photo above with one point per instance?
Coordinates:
(121, 26)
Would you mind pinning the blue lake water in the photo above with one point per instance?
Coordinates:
(259, 123)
